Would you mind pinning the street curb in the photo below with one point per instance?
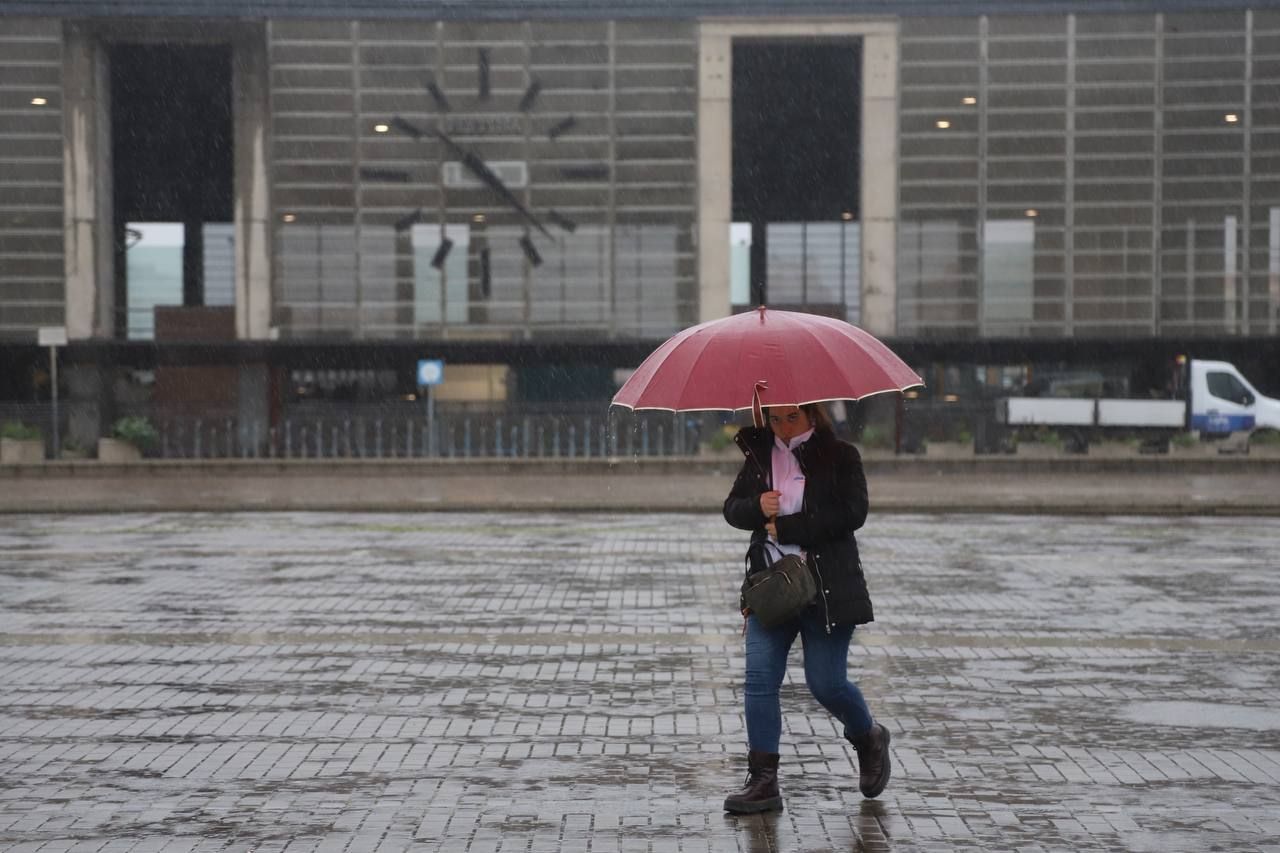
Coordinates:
(999, 486)
(1243, 464)
(881, 507)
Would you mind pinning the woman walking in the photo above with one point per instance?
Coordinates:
(802, 491)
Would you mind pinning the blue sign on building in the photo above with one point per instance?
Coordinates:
(430, 372)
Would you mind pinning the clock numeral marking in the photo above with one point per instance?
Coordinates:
(530, 251)
(437, 260)
(395, 176)
(530, 95)
(407, 222)
(561, 127)
(585, 172)
(407, 127)
(482, 62)
(442, 103)
(563, 221)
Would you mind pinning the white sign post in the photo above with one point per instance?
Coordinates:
(53, 337)
(430, 373)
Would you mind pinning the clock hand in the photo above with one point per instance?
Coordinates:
(490, 179)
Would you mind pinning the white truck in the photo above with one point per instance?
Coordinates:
(1216, 400)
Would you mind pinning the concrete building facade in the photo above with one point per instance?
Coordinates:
(424, 174)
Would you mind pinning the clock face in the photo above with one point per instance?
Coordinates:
(482, 140)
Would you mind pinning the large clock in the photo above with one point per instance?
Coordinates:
(456, 133)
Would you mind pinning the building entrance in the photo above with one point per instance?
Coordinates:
(796, 162)
(171, 148)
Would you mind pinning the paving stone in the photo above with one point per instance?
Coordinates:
(541, 681)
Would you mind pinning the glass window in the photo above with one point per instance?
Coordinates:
(646, 257)
(1008, 254)
(317, 274)
(740, 263)
(440, 274)
(1224, 386)
(814, 264)
(572, 285)
(153, 269)
(937, 283)
(219, 263)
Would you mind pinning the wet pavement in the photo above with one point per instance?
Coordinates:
(547, 682)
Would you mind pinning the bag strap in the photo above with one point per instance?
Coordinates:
(765, 544)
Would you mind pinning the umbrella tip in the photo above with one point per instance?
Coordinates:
(760, 308)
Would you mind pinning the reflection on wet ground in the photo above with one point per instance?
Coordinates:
(570, 682)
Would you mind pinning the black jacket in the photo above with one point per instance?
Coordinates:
(834, 506)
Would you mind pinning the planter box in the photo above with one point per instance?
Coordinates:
(1036, 450)
(1236, 444)
(115, 450)
(948, 450)
(1266, 450)
(1199, 450)
(21, 451)
(1113, 450)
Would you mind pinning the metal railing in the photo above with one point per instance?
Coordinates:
(397, 430)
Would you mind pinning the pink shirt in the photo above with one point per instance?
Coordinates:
(789, 480)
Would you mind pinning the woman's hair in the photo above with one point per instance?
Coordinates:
(817, 413)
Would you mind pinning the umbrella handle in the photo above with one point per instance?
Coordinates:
(757, 411)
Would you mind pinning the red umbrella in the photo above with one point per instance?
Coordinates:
(785, 357)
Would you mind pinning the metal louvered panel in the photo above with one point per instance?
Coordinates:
(1109, 175)
(586, 9)
(32, 293)
(590, 123)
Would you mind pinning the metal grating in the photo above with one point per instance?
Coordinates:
(1112, 176)
(32, 293)
(622, 173)
(586, 9)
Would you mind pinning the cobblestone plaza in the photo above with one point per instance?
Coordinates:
(545, 682)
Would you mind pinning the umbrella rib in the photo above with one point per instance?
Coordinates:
(831, 359)
(688, 376)
(887, 361)
(786, 364)
(889, 365)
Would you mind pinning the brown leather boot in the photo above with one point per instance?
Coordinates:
(760, 794)
(873, 759)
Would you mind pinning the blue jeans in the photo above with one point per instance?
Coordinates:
(826, 662)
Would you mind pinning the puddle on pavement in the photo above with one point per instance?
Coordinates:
(1204, 714)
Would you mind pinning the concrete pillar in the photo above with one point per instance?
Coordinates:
(715, 171)
(87, 210)
(87, 398)
(251, 118)
(879, 182)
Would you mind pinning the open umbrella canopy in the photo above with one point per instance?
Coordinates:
(793, 358)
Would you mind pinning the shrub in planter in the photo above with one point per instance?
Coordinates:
(137, 431)
(875, 438)
(20, 443)
(131, 437)
(1038, 440)
(72, 449)
(1265, 438)
(721, 440)
(19, 431)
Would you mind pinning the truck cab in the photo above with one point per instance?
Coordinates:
(1221, 401)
